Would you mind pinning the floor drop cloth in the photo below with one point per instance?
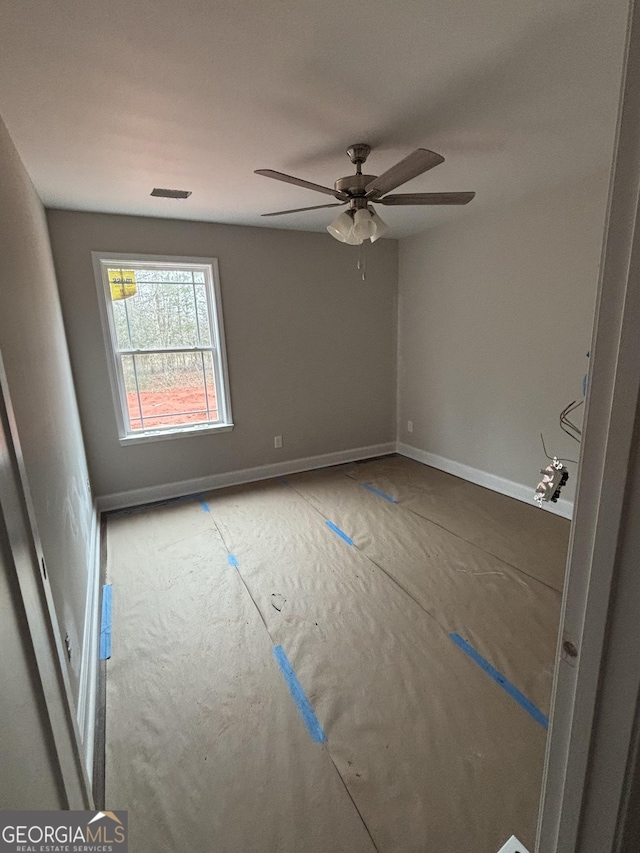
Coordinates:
(425, 753)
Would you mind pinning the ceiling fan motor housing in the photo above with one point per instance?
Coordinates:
(354, 186)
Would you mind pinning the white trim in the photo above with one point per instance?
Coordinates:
(86, 714)
(162, 435)
(482, 478)
(150, 494)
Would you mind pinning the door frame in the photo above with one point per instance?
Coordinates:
(593, 726)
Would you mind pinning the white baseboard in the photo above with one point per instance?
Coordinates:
(89, 663)
(482, 478)
(151, 494)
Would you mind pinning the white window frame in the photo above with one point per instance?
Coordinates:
(218, 347)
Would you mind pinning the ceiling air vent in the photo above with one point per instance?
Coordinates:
(160, 193)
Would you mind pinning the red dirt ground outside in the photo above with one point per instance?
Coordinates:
(158, 407)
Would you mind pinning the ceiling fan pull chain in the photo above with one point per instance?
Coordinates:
(361, 261)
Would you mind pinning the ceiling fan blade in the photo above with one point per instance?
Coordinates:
(419, 161)
(289, 179)
(426, 198)
(301, 209)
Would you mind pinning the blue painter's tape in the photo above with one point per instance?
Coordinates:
(379, 493)
(232, 560)
(105, 623)
(506, 685)
(299, 696)
(204, 505)
(284, 480)
(340, 533)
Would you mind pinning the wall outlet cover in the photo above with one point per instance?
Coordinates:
(409, 426)
(277, 441)
(513, 846)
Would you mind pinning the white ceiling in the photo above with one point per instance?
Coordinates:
(106, 99)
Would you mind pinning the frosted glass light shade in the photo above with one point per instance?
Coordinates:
(342, 227)
(352, 240)
(381, 227)
(363, 224)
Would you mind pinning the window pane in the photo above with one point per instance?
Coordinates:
(162, 315)
(203, 315)
(133, 407)
(172, 389)
(155, 275)
(120, 321)
(165, 311)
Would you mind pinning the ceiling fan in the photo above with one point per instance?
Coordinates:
(361, 222)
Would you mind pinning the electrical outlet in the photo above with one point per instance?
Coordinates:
(409, 426)
(277, 441)
(513, 846)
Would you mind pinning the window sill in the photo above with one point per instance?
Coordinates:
(174, 433)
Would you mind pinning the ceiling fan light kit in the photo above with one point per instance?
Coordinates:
(354, 227)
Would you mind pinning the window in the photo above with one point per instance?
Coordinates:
(163, 326)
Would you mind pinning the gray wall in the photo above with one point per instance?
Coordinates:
(36, 361)
(495, 319)
(311, 347)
